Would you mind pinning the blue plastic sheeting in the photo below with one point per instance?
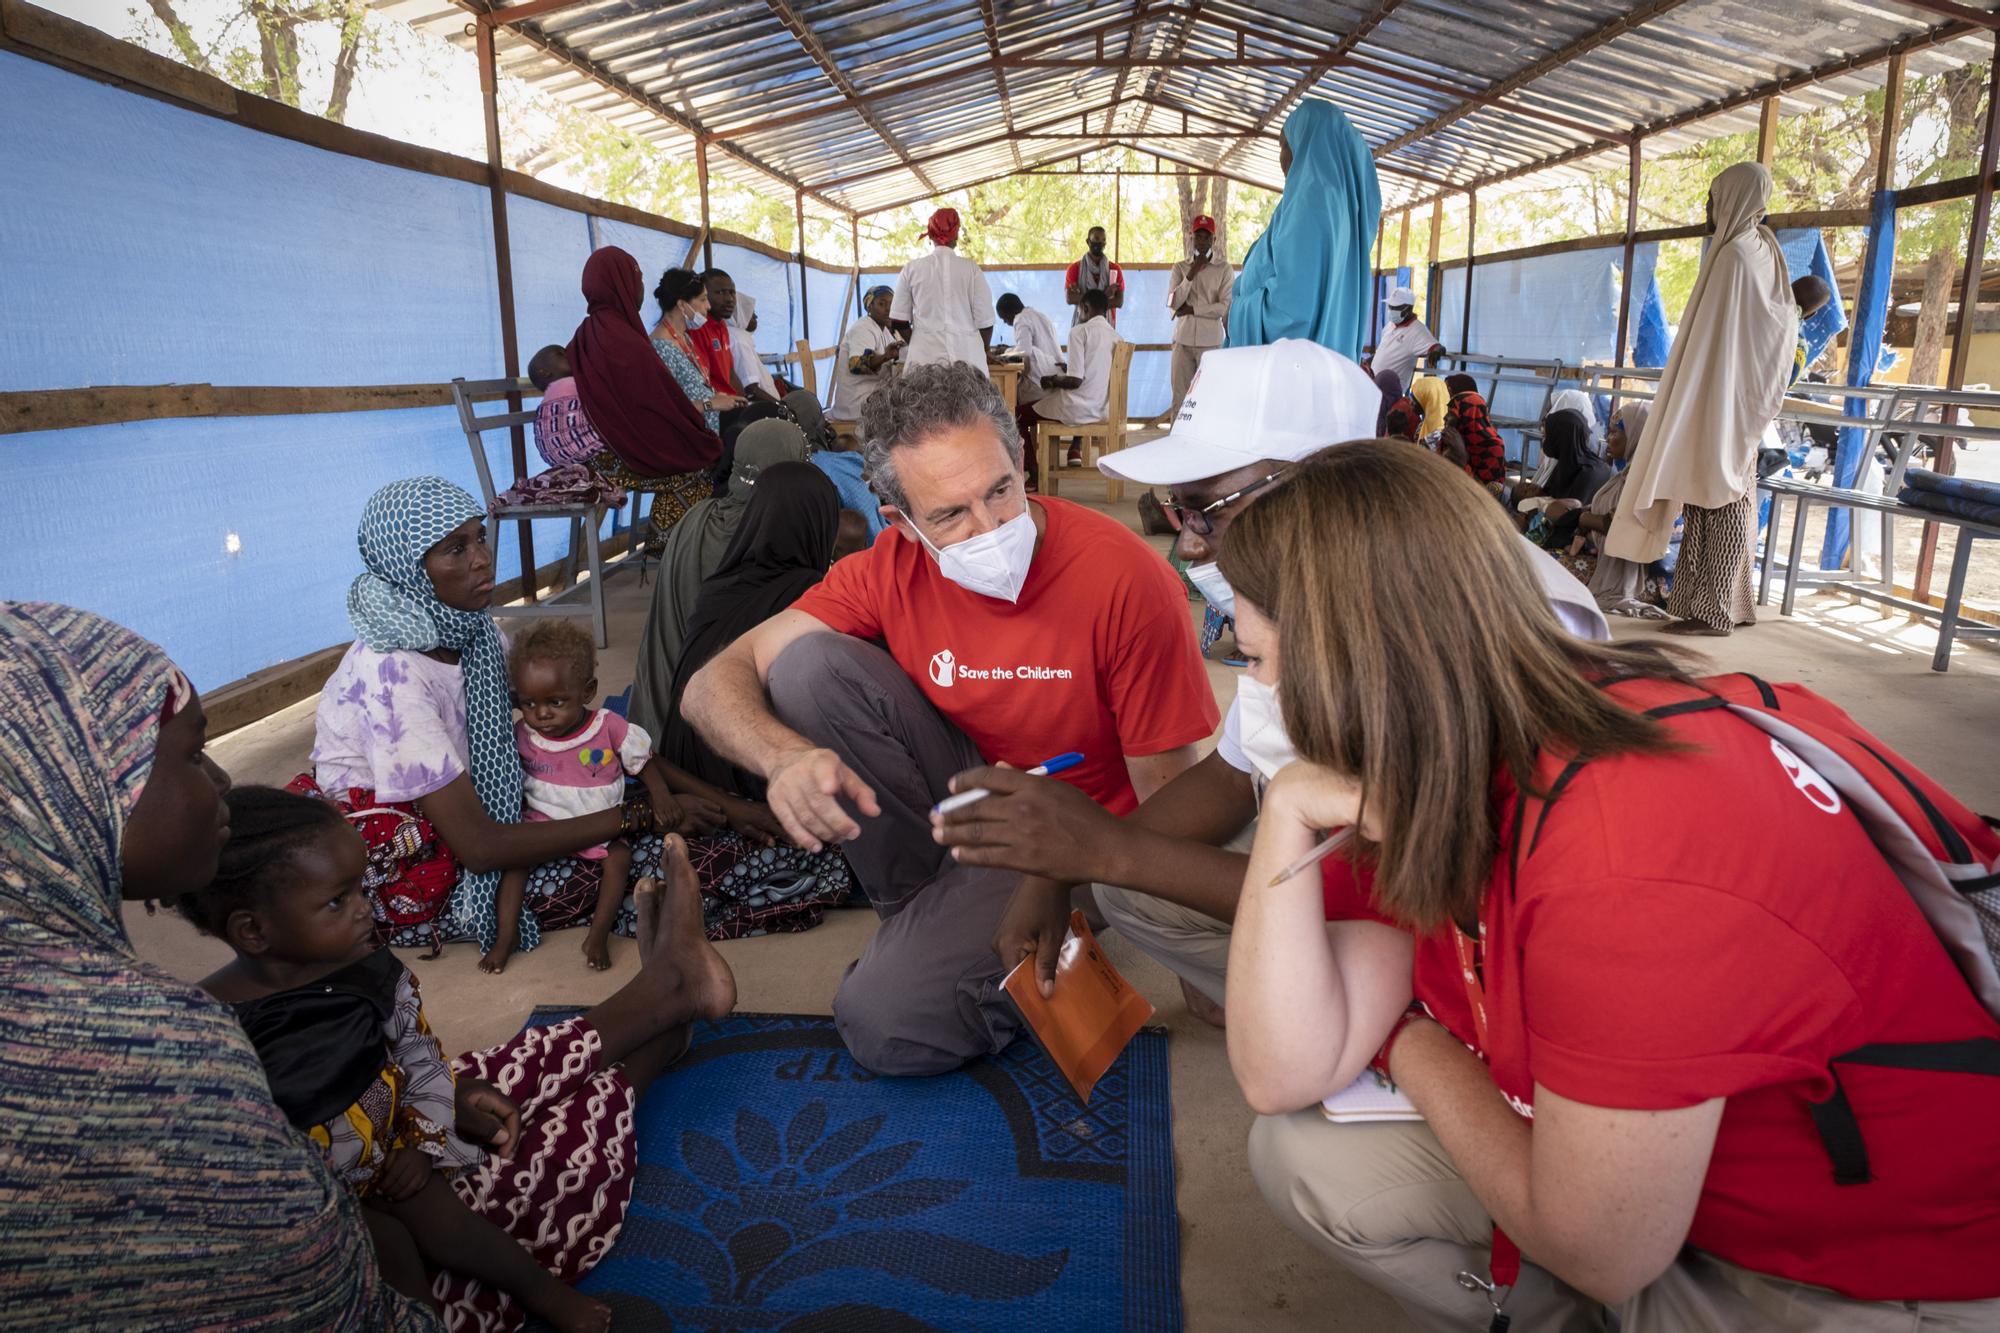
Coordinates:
(549, 246)
(290, 488)
(830, 300)
(775, 284)
(1805, 252)
(148, 245)
(1561, 307)
(1650, 337)
(1878, 266)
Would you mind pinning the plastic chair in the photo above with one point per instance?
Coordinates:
(584, 519)
(1096, 437)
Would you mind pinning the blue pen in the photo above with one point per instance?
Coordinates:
(1041, 770)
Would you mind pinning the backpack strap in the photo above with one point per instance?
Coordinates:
(1839, 1128)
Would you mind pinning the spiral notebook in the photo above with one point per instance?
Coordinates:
(1368, 1097)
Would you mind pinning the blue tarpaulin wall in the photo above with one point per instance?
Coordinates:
(147, 244)
(1878, 265)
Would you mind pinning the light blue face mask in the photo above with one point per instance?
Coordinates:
(1214, 589)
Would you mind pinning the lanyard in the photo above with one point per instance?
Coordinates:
(1506, 1255)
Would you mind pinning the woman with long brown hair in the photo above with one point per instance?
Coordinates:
(1625, 1020)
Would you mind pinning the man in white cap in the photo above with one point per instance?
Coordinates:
(1404, 339)
(1179, 859)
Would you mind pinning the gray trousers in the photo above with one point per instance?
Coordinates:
(925, 996)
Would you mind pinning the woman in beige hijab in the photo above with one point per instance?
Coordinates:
(1724, 383)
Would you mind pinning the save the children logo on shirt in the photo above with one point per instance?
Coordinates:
(1815, 788)
(947, 670)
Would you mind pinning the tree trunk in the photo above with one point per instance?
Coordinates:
(181, 36)
(344, 64)
(1219, 210)
(1927, 355)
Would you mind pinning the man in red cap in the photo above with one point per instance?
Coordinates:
(1198, 294)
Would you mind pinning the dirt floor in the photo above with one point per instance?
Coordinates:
(1241, 1270)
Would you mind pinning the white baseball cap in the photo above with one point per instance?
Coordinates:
(1282, 400)
(1400, 296)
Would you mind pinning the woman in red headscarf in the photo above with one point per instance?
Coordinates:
(657, 440)
(944, 299)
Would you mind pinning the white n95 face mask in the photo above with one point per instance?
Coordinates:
(1265, 743)
(992, 564)
(1214, 588)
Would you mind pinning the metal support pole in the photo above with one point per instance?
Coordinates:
(1968, 304)
(1117, 213)
(503, 267)
(1633, 167)
(701, 175)
(805, 303)
(1471, 245)
(1431, 283)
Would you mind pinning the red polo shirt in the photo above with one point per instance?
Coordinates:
(713, 355)
(1715, 923)
(1097, 655)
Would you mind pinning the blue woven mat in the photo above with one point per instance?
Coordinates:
(783, 1187)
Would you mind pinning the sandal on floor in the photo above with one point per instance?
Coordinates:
(1695, 628)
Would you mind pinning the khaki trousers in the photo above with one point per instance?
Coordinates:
(1186, 359)
(1192, 945)
(1386, 1201)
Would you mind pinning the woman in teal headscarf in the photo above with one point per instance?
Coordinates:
(1308, 274)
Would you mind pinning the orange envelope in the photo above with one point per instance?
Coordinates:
(1092, 1015)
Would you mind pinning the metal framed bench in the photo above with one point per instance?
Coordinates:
(584, 519)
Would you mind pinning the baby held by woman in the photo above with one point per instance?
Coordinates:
(339, 1026)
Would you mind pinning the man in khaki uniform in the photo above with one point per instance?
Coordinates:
(1198, 294)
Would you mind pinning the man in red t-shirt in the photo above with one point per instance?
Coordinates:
(713, 352)
(1094, 273)
(1011, 630)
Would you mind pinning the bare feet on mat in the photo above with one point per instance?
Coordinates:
(1207, 1010)
(1696, 628)
(673, 952)
(494, 960)
(597, 952)
(578, 1313)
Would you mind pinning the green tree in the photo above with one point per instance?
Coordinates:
(275, 68)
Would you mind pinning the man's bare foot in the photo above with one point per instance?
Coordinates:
(495, 959)
(672, 948)
(597, 951)
(574, 1312)
(1207, 1010)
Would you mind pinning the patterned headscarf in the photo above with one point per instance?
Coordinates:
(943, 228)
(879, 289)
(394, 608)
(136, 1127)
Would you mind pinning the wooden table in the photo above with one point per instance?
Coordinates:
(1006, 376)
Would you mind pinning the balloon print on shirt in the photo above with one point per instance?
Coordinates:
(594, 757)
(1807, 779)
(944, 668)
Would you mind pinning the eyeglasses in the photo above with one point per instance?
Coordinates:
(1197, 520)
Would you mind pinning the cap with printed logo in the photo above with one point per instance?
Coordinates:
(1203, 222)
(1283, 400)
(1400, 296)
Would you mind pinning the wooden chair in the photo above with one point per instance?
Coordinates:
(1096, 437)
(584, 519)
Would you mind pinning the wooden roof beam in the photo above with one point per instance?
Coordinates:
(1583, 45)
(796, 25)
(938, 154)
(1311, 77)
(992, 27)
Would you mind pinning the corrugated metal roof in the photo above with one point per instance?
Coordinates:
(873, 103)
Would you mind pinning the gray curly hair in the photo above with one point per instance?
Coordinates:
(917, 404)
